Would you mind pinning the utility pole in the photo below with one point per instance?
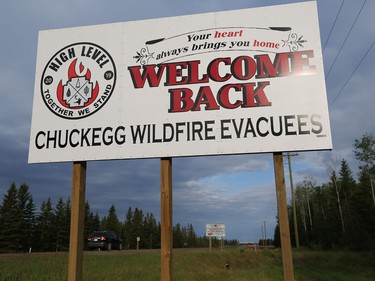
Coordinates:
(265, 232)
(293, 200)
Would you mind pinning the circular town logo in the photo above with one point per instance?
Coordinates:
(78, 80)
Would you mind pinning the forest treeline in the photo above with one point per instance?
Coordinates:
(341, 212)
(22, 228)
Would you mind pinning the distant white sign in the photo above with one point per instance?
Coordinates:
(244, 81)
(215, 230)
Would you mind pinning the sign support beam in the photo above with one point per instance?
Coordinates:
(286, 247)
(166, 219)
(77, 222)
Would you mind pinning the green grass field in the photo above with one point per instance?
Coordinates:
(192, 265)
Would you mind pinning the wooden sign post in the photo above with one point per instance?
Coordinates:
(286, 247)
(77, 222)
(166, 219)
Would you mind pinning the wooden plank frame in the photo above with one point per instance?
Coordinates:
(78, 207)
(286, 247)
(77, 222)
(166, 219)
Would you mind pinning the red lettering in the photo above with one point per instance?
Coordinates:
(279, 67)
(213, 70)
(255, 97)
(243, 68)
(148, 73)
(252, 94)
(285, 64)
(223, 96)
(205, 96)
(181, 100)
(193, 72)
(300, 60)
(174, 71)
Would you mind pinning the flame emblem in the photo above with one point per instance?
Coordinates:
(78, 91)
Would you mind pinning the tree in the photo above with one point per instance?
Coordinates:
(178, 237)
(348, 184)
(363, 200)
(127, 230)
(337, 187)
(9, 216)
(150, 231)
(26, 210)
(111, 222)
(62, 225)
(304, 202)
(46, 228)
(17, 219)
(191, 236)
(365, 152)
(137, 228)
(92, 222)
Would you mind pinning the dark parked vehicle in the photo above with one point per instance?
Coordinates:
(106, 240)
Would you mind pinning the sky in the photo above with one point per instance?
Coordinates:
(238, 191)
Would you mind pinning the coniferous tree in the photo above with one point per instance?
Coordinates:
(137, 228)
(62, 225)
(149, 230)
(67, 217)
(127, 230)
(178, 237)
(46, 227)
(26, 220)
(111, 222)
(191, 236)
(89, 221)
(9, 216)
(17, 219)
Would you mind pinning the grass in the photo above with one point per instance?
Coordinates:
(194, 265)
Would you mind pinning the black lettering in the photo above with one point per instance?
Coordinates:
(288, 125)
(84, 136)
(167, 126)
(237, 130)
(273, 126)
(209, 130)
(51, 138)
(107, 137)
(96, 136)
(120, 138)
(72, 144)
(301, 124)
(39, 146)
(224, 129)
(62, 145)
(154, 139)
(258, 127)
(316, 123)
(249, 128)
(180, 131)
(197, 130)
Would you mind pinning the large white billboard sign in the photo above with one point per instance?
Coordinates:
(215, 230)
(244, 81)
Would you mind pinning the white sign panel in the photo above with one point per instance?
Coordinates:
(244, 81)
(215, 230)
